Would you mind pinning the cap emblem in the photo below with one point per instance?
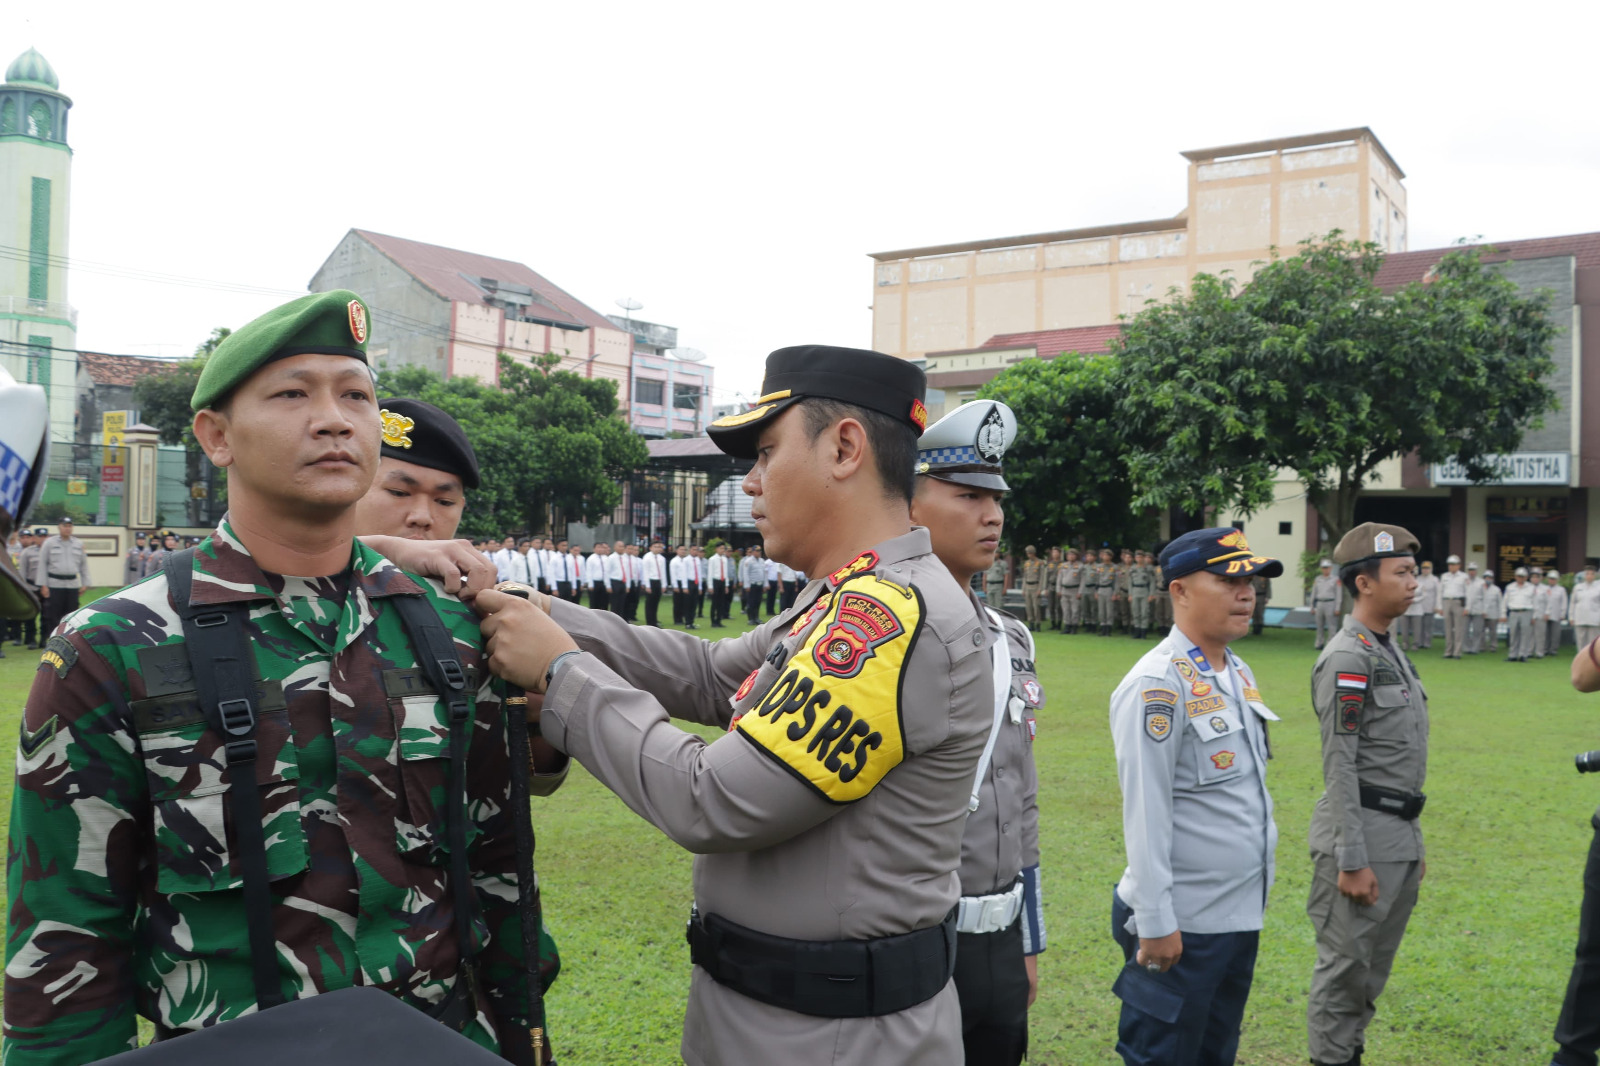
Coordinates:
(1383, 542)
(919, 414)
(358, 322)
(1234, 540)
(991, 442)
(396, 429)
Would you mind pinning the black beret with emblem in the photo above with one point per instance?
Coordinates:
(878, 382)
(968, 445)
(418, 432)
(1373, 540)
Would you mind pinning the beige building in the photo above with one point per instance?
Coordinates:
(1243, 200)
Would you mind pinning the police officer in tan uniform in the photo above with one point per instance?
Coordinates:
(999, 921)
(1069, 587)
(1366, 843)
(828, 818)
(1033, 569)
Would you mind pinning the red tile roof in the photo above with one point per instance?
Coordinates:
(441, 270)
(106, 369)
(1049, 343)
(1405, 267)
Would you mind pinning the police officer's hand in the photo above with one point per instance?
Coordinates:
(459, 566)
(1164, 951)
(521, 639)
(1361, 886)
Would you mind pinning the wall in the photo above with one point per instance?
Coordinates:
(410, 323)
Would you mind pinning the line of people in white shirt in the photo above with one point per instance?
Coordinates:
(619, 577)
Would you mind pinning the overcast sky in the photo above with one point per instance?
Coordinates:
(731, 165)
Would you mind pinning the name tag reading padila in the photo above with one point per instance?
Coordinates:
(833, 716)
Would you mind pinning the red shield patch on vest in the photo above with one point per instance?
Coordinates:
(861, 625)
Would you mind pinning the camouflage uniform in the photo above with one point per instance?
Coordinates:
(124, 897)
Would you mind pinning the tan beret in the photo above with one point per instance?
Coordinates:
(1374, 540)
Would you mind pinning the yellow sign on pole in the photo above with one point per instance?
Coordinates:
(77, 486)
(113, 424)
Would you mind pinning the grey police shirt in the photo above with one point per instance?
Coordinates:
(1192, 750)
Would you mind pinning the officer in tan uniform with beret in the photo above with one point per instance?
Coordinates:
(829, 818)
(1366, 843)
(1000, 920)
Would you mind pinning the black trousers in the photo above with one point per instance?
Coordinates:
(699, 600)
(564, 590)
(652, 605)
(719, 601)
(619, 598)
(791, 589)
(752, 603)
(680, 606)
(992, 982)
(599, 596)
(59, 604)
(1578, 1028)
(772, 598)
(633, 602)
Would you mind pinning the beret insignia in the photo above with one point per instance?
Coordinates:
(919, 414)
(396, 429)
(358, 322)
(1383, 542)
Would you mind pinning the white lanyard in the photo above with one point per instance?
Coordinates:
(1002, 696)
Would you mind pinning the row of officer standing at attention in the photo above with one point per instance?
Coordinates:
(1191, 730)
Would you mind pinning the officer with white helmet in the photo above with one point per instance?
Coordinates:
(1000, 922)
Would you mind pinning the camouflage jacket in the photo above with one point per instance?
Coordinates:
(123, 894)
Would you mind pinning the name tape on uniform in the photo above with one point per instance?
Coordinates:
(833, 716)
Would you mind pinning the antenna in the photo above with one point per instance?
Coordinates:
(687, 355)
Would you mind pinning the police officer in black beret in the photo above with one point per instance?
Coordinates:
(427, 467)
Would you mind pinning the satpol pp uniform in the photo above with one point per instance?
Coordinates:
(1192, 749)
(1452, 601)
(1520, 601)
(1373, 712)
(1325, 594)
(1583, 611)
(828, 820)
(1069, 585)
(1000, 919)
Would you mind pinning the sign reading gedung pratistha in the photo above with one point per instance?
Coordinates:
(1517, 468)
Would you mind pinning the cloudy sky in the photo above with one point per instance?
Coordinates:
(731, 165)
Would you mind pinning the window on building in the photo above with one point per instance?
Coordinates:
(8, 117)
(39, 242)
(39, 121)
(1285, 529)
(967, 395)
(648, 390)
(687, 396)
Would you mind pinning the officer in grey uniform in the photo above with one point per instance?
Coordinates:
(1105, 581)
(1069, 586)
(1366, 843)
(828, 816)
(1474, 607)
(60, 573)
(1141, 587)
(133, 562)
(1517, 613)
(1190, 729)
(27, 631)
(994, 581)
(999, 921)
(1326, 593)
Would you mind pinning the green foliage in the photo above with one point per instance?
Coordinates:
(544, 438)
(1313, 368)
(163, 402)
(1068, 477)
(52, 511)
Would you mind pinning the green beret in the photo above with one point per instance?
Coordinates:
(328, 323)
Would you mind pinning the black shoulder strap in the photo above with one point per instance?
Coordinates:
(441, 665)
(224, 668)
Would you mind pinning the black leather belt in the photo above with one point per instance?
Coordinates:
(61, 577)
(1406, 805)
(826, 978)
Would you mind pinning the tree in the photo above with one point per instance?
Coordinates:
(1313, 368)
(544, 438)
(1067, 434)
(163, 402)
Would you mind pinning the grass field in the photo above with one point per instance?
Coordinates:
(1479, 978)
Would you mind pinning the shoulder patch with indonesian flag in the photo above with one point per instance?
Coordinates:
(833, 716)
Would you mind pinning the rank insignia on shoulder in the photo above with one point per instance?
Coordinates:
(815, 609)
(1223, 760)
(833, 717)
(32, 740)
(1362, 637)
(59, 655)
(867, 560)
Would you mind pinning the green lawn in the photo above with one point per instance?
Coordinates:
(1479, 978)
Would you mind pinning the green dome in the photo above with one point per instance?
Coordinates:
(32, 67)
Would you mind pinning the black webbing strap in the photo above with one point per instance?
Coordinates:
(517, 737)
(224, 669)
(441, 665)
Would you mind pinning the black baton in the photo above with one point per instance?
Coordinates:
(516, 702)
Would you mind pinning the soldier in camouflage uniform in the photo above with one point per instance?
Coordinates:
(125, 884)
